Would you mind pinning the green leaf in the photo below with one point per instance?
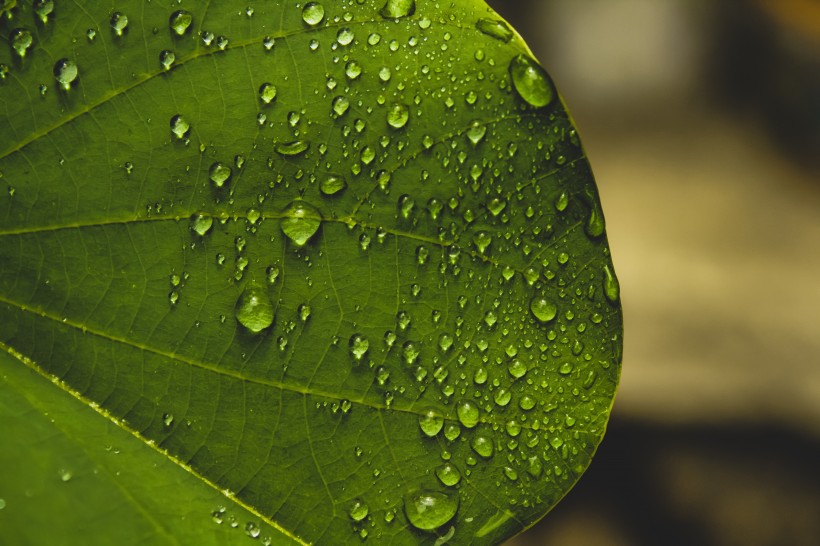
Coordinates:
(316, 274)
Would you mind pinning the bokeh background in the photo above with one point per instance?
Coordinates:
(701, 119)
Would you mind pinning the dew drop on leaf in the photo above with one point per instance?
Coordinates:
(358, 510)
(429, 510)
(448, 474)
(344, 36)
(43, 9)
(166, 58)
(300, 221)
(295, 147)
(332, 184)
(612, 288)
(468, 413)
(254, 309)
(219, 173)
(483, 446)
(340, 105)
(394, 9)
(353, 70)
(543, 309)
(119, 22)
(476, 132)
(65, 72)
(180, 21)
(431, 423)
(495, 28)
(180, 126)
(313, 13)
(21, 40)
(531, 81)
(397, 115)
(358, 345)
(201, 224)
(267, 92)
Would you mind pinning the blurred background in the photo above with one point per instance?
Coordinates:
(701, 120)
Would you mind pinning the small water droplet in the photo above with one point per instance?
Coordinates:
(353, 70)
(482, 241)
(180, 21)
(344, 36)
(340, 105)
(543, 309)
(119, 23)
(300, 221)
(448, 474)
(167, 419)
(431, 422)
(65, 475)
(201, 224)
(254, 309)
(468, 413)
(476, 132)
(429, 510)
(495, 28)
(517, 368)
(65, 72)
(531, 81)
(483, 446)
(43, 9)
(252, 530)
(394, 9)
(313, 13)
(166, 58)
(612, 288)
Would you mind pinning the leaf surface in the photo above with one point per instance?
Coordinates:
(324, 273)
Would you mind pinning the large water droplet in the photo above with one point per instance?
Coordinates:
(543, 309)
(612, 288)
(119, 22)
(43, 9)
(180, 21)
(295, 147)
(300, 221)
(495, 28)
(398, 8)
(476, 132)
(21, 40)
(358, 510)
(431, 422)
(201, 224)
(340, 105)
(531, 81)
(332, 185)
(313, 13)
(219, 173)
(429, 510)
(254, 309)
(180, 126)
(267, 92)
(468, 413)
(167, 58)
(65, 72)
(483, 446)
(358, 346)
(448, 474)
(397, 115)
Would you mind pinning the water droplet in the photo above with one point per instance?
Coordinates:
(332, 185)
(495, 28)
(201, 224)
(219, 173)
(595, 226)
(429, 510)
(300, 221)
(167, 419)
(359, 346)
(468, 413)
(167, 58)
(268, 42)
(410, 352)
(517, 368)
(252, 530)
(543, 309)
(295, 147)
(353, 70)
(358, 510)
(502, 397)
(397, 115)
(21, 40)
(496, 206)
(221, 42)
(483, 446)
(180, 21)
(612, 288)
(267, 92)
(448, 474)
(254, 309)
(562, 202)
(2, 503)
(65, 475)
(340, 105)
(526, 402)
(119, 23)
(531, 81)
(431, 422)
(476, 132)
(43, 9)
(482, 240)
(313, 13)
(385, 74)
(65, 72)
(180, 126)
(344, 36)
(445, 341)
(398, 8)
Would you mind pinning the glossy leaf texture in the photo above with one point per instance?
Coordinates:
(314, 273)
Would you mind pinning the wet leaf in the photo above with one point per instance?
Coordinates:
(329, 273)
